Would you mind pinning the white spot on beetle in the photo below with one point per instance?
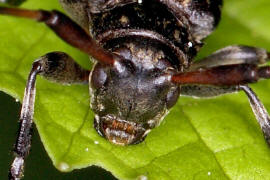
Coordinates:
(190, 44)
(140, 1)
(54, 20)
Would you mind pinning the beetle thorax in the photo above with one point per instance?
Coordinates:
(150, 19)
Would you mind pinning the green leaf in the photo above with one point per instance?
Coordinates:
(215, 138)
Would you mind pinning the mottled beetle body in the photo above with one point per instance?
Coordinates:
(143, 52)
(155, 38)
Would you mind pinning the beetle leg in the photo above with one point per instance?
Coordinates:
(256, 105)
(230, 78)
(259, 111)
(232, 55)
(67, 30)
(54, 66)
(206, 91)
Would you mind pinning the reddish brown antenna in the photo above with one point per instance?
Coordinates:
(67, 30)
(223, 75)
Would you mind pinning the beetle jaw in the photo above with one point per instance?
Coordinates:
(120, 132)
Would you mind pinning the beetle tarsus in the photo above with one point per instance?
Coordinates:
(16, 170)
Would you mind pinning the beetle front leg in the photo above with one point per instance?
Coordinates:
(224, 71)
(259, 111)
(228, 56)
(256, 105)
(231, 78)
(58, 67)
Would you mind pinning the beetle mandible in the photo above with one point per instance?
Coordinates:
(143, 52)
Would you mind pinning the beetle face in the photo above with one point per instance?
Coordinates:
(129, 101)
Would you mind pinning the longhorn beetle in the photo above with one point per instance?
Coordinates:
(143, 52)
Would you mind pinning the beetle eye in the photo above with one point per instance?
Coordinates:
(99, 76)
(172, 97)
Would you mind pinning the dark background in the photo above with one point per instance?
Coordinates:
(38, 164)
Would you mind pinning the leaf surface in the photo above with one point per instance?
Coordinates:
(215, 138)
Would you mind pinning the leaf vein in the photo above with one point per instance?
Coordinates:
(204, 143)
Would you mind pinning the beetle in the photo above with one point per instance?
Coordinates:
(152, 67)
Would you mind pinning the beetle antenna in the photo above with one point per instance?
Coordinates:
(67, 30)
(223, 75)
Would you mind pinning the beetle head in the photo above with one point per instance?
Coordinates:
(129, 99)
